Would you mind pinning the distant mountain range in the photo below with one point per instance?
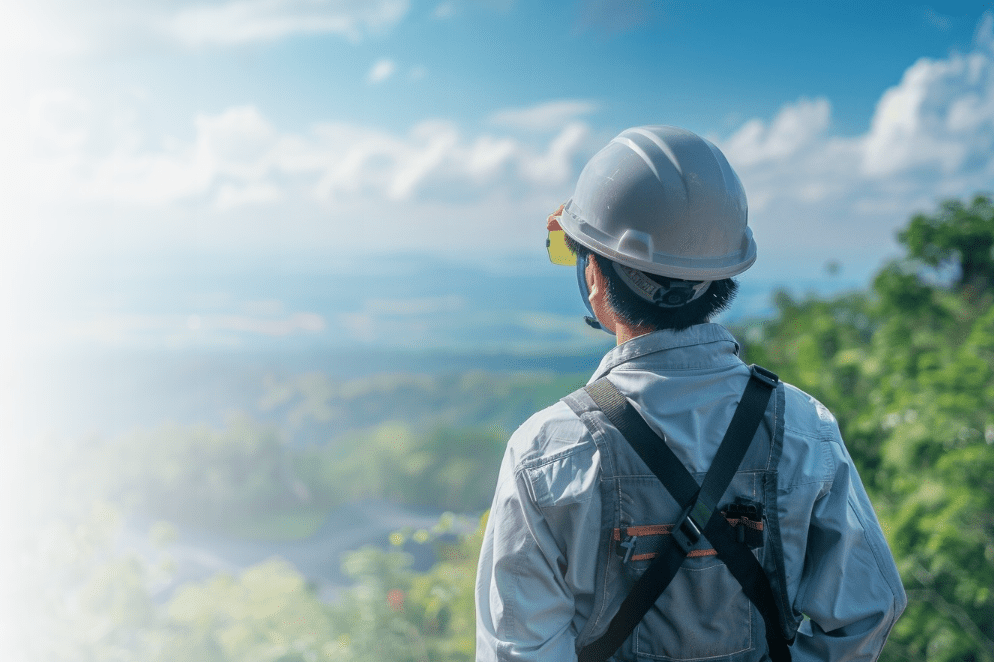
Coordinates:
(189, 339)
(406, 302)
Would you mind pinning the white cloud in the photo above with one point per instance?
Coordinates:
(25, 29)
(55, 125)
(236, 142)
(353, 187)
(940, 118)
(244, 21)
(556, 165)
(487, 155)
(67, 27)
(931, 136)
(230, 196)
(793, 130)
(449, 8)
(983, 37)
(380, 71)
(313, 186)
(433, 156)
(792, 158)
(550, 115)
(234, 147)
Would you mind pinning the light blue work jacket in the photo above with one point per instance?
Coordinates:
(552, 569)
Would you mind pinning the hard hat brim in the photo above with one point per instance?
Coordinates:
(658, 262)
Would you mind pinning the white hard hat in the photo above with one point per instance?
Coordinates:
(664, 201)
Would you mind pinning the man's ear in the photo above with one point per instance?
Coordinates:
(596, 283)
(597, 286)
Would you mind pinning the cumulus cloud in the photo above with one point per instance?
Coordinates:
(556, 164)
(940, 117)
(793, 130)
(931, 136)
(433, 155)
(237, 159)
(233, 150)
(792, 158)
(811, 190)
(241, 184)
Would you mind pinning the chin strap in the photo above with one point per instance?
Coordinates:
(581, 280)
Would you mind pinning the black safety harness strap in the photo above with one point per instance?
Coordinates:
(699, 516)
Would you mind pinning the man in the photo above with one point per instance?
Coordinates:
(783, 549)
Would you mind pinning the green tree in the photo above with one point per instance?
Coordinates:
(908, 369)
(394, 614)
(266, 614)
(957, 235)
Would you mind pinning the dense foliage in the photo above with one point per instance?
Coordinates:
(908, 369)
(906, 365)
(268, 612)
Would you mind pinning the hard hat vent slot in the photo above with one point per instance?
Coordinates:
(636, 243)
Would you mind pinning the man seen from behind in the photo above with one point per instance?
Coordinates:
(635, 520)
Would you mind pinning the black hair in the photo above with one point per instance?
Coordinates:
(636, 311)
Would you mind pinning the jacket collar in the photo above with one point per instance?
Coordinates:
(720, 349)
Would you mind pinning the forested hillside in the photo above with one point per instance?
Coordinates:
(314, 443)
(906, 365)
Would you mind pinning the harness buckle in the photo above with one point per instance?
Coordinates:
(768, 378)
(686, 532)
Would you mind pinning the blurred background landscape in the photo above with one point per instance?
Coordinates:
(274, 294)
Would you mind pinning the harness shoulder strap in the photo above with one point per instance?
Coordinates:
(700, 512)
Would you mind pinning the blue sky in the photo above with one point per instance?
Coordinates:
(340, 132)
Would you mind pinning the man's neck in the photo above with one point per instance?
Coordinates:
(624, 332)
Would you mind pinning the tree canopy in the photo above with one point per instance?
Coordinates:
(908, 369)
